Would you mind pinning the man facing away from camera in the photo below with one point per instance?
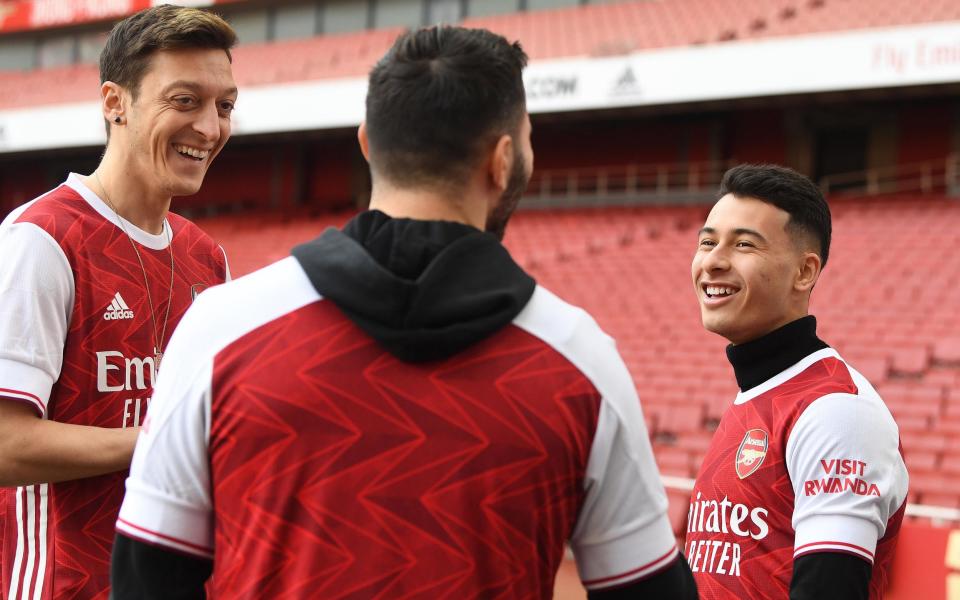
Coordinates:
(803, 489)
(94, 276)
(398, 410)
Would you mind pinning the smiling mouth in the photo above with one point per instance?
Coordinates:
(718, 292)
(190, 152)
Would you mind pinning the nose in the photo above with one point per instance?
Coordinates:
(207, 123)
(716, 259)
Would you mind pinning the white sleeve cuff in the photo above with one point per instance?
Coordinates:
(836, 533)
(25, 383)
(630, 557)
(156, 517)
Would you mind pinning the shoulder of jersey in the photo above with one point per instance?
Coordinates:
(576, 336)
(865, 389)
(48, 203)
(230, 310)
(556, 321)
(870, 407)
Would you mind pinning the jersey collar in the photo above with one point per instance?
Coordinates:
(768, 358)
(154, 242)
(786, 375)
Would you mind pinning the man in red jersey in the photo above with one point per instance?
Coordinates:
(397, 410)
(803, 489)
(95, 276)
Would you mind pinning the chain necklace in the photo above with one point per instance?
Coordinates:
(157, 341)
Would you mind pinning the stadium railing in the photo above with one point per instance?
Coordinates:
(697, 182)
(932, 176)
(631, 184)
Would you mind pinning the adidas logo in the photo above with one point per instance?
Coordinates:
(117, 310)
(627, 84)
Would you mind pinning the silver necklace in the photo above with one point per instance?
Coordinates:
(157, 341)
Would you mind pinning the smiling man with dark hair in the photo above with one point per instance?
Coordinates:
(94, 277)
(803, 489)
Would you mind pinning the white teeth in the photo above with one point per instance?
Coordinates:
(194, 152)
(714, 290)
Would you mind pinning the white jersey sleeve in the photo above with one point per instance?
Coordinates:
(848, 475)
(36, 300)
(168, 500)
(622, 533)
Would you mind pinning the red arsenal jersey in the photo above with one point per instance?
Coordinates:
(808, 461)
(77, 345)
(307, 461)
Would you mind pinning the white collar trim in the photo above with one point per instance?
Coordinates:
(785, 375)
(150, 240)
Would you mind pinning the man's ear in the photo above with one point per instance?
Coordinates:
(112, 100)
(808, 273)
(364, 142)
(501, 162)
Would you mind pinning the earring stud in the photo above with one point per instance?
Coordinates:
(117, 119)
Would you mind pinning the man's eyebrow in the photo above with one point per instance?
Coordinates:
(196, 87)
(737, 231)
(745, 231)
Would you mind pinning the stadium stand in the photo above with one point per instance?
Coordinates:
(595, 30)
(886, 300)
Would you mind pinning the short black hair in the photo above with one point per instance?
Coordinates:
(438, 98)
(789, 191)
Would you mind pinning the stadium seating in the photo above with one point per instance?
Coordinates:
(885, 302)
(820, 16)
(595, 30)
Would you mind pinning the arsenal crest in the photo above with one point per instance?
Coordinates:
(751, 453)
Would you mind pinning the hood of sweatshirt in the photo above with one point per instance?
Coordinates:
(424, 290)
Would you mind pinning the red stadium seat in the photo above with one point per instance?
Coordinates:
(673, 461)
(922, 461)
(913, 423)
(940, 499)
(947, 350)
(928, 482)
(682, 419)
(922, 442)
(950, 464)
(910, 361)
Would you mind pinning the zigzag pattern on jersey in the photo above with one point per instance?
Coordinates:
(339, 471)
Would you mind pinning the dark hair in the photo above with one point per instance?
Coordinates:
(789, 191)
(438, 98)
(126, 55)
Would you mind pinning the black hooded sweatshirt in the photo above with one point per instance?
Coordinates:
(425, 290)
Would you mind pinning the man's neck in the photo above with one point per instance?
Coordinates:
(128, 196)
(758, 360)
(429, 205)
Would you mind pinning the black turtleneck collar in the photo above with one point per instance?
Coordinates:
(757, 361)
